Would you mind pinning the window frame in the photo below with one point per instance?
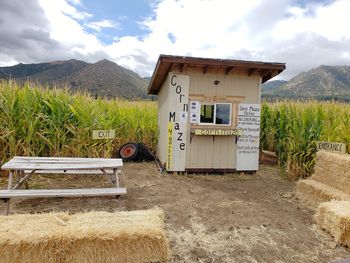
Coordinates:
(214, 117)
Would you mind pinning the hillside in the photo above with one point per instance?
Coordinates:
(323, 82)
(43, 72)
(272, 85)
(102, 79)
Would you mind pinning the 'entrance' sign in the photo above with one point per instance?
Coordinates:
(332, 147)
(103, 134)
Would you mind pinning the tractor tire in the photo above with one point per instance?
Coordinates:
(145, 152)
(129, 151)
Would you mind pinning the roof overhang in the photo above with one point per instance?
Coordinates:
(166, 63)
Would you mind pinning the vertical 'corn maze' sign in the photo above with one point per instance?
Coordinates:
(177, 122)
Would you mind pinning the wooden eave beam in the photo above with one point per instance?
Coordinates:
(159, 78)
(266, 78)
(252, 71)
(270, 75)
(228, 69)
(205, 69)
(224, 63)
(183, 67)
(166, 63)
(266, 72)
(172, 67)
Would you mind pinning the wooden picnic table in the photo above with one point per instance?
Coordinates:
(25, 167)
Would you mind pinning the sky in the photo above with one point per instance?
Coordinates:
(133, 33)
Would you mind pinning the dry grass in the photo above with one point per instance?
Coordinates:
(312, 193)
(250, 244)
(334, 217)
(136, 236)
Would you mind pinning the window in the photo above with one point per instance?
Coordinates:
(207, 113)
(223, 113)
(216, 113)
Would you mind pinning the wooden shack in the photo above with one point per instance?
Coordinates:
(209, 112)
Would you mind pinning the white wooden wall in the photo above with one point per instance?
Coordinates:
(218, 152)
(204, 151)
(163, 114)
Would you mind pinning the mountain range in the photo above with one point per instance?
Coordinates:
(109, 80)
(101, 79)
(321, 83)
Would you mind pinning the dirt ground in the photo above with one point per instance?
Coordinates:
(209, 218)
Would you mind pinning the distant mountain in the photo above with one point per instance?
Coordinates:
(323, 82)
(102, 79)
(107, 79)
(272, 85)
(50, 71)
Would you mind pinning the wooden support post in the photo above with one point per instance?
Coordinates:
(115, 177)
(119, 172)
(21, 181)
(9, 187)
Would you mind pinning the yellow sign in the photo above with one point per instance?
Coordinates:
(332, 147)
(103, 134)
(169, 155)
(217, 132)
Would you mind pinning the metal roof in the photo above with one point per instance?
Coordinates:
(166, 63)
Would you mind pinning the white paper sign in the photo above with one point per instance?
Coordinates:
(195, 109)
(183, 117)
(248, 143)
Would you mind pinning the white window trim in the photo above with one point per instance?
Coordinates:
(214, 118)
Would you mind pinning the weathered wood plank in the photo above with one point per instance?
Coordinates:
(58, 166)
(4, 194)
(70, 162)
(63, 159)
(87, 172)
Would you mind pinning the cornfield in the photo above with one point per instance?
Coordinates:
(38, 121)
(292, 128)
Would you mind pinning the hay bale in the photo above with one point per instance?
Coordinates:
(330, 181)
(312, 193)
(334, 217)
(136, 236)
(333, 169)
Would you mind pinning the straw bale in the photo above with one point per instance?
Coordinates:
(136, 236)
(334, 217)
(312, 192)
(333, 169)
(330, 181)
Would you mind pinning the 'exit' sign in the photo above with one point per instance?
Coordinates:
(103, 134)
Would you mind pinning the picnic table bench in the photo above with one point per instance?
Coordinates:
(25, 167)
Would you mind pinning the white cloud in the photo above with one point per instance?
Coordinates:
(65, 28)
(105, 23)
(303, 36)
(274, 30)
(326, 21)
(75, 2)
